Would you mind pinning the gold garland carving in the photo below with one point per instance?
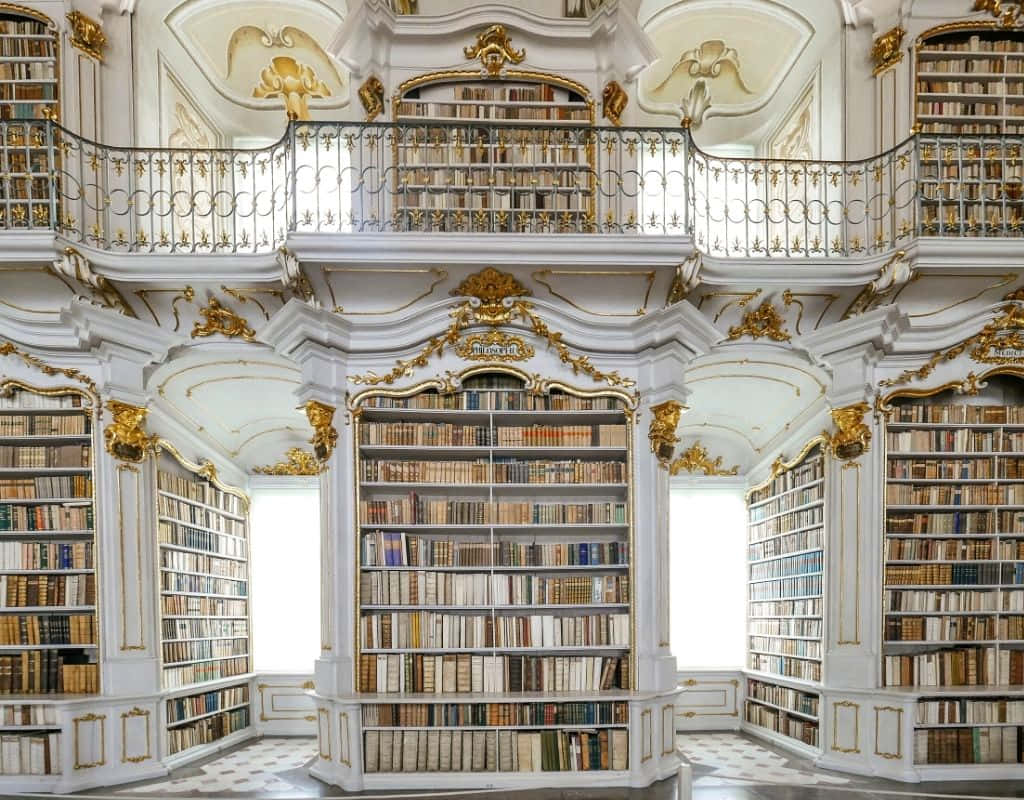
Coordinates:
(297, 462)
(124, 437)
(697, 459)
(852, 438)
(662, 431)
(1009, 14)
(764, 321)
(494, 298)
(493, 48)
(220, 319)
(325, 435)
(987, 346)
(9, 349)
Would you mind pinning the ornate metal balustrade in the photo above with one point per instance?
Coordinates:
(444, 177)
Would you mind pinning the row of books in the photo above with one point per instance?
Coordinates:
(188, 606)
(35, 754)
(956, 469)
(975, 43)
(785, 587)
(490, 751)
(44, 425)
(970, 711)
(399, 549)
(45, 456)
(790, 565)
(525, 199)
(185, 652)
(951, 440)
(569, 153)
(447, 674)
(794, 520)
(489, 177)
(955, 574)
(785, 502)
(953, 629)
(174, 677)
(783, 545)
(36, 47)
(785, 666)
(35, 715)
(783, 696)
(809, 607)
(958, 414)
(477, 471)
(207, 729)
(959, 666)
(969, 87)
(456, 715)
(953, 549)
(954, 494)
(497, 400)
(987, 171)
(18, 399)
(48, 629)
(803, 730)
(949, 600)
(476, 589)
(786, 627)
(485, 112)
(47, 672)
(957, 109)
(45, 487)
(970, 65)
(208, 565)
(20, 591)
(42, 70)
(180, 709)
(196, 539)
(502, 470)
(811, 470)
(432, 630)
(964, 129)
(188, 514)
(426, 434)
(969, 746)
(204, 628)
(802, 648)
(993, 192)
(200, 491)
(967, 522)
(204, 584)
(46, 555)
(417, 510)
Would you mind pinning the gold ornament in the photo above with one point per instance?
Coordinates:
(494, 346)
(613, 102)
(491, 288)
(325, 436)
(662, 431)
(1008, 13)
(764, 321)
(297, 462)
(886, 52)
(371, 95)
(9, 349)
(124, 437)
(493, 48)
(852, 436)
(222, 320)
(697, 459)
(285, 77)
(86, 35)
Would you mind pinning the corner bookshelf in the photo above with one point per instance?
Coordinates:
(970, 83)
(953, 592)
(785, 596)
(496, 155)
(205, 624)
(494, 604)
(49, 637)
(29, 81)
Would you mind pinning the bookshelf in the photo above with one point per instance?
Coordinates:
(783, 710)
(205, 628)
(953, 591)
(522, 167)
(786, 556)
(494, 609)
(49, 639)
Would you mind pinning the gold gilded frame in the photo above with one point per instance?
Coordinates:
(101, 719)
(837, 704)
(125, 716)
(534, 384)
(899, 732)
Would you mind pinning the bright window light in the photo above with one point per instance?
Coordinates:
(708, 617)
(285, 579)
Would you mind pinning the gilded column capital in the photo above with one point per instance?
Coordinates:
(852, 436)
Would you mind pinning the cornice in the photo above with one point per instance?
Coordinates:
(926, 339)
(176, 267)
(880, 329)
(955, 254)
(27, 247)
(790, 272)
(96, 327)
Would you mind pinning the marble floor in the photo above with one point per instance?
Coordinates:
(726, 766)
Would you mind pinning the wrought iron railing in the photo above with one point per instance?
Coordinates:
(470, 177)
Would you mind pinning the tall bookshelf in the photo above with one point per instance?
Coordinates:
(29, 82)
(953, 591)
(49, 636)
(494, 606)
(525, 165)
(785, 597)
(205, 627)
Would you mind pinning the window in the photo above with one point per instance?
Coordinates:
(708, 577)
(285, 575)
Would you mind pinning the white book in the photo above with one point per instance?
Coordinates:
(421, 751)
(536, 754)
(445, 754)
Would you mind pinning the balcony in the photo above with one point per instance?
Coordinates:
(355, 178)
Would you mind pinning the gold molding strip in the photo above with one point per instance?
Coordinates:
(439, 276)
(8, 348)
(540, 275)
(261, 687)
(206, 469)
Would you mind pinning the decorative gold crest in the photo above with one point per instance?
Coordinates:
(297, 462)
(662, 430)
(886, 52)
(493, 48)
(613, 102)
(697, 459)
(222, 320)
(296, 83)
(764, 321)
(124, 437)
(494, 346)
(87, 35)
(491, 289)
(325, 436)
(371, 95)
(852, 436)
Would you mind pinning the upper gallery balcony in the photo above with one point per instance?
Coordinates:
(451, 178)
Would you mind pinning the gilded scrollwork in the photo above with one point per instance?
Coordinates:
(371, 95)
(218, 318)
(697, 459)
(494, 49)
(10, 349)
(852, 435)
(325, 435)
(124, 437)
(662, 431)
(613, 102)
(761, 322)
(885, 51)
(87, 35)
(297, 462)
